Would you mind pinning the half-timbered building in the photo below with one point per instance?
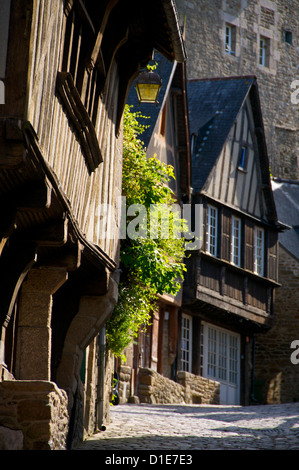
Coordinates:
(228, 292)
(65, 70)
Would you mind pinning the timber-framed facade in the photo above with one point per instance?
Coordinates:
(67, 69)
(228, 296)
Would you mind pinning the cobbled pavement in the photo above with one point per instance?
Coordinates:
(199, 427)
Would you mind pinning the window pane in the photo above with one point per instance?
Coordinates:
(233, 359)
(212, 231)
(242, 162)
(264, 51)
(230, 39)
(236, 241)
(186, 343)
(259, 251)
(222, 355)
(211, 352)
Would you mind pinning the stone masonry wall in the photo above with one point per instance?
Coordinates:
(199, 389)
(124, 387)
(33, 416)
(154, 388)
(276, 378)
(205, 22)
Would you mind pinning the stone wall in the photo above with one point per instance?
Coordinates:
(276, 378)
(205, 22)
(124, 387)
(199, 389)
(154, 388)
(93, 397)
(33, 416)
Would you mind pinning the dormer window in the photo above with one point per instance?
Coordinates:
(243, 158)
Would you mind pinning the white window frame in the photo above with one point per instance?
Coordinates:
(223, 349)
(229, 41)
(264, 51)
(259, 247)
(220, 360)
(186, 343)
(236, 241)
(212, 230)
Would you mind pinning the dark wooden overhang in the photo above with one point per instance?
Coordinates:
(37, 226)
(151, 25)
(243, 324)
(212, 302)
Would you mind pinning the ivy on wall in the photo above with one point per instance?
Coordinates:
(150, 265)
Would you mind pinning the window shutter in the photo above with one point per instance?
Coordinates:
(249, 245)
(226, 234)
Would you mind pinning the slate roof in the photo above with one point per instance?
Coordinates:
(213, 107)
(286, 196)
(151, 111)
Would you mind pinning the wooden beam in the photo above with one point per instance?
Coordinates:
(66, 257)
(79, 117)
(15, 262)
(11, 143)
(52, 234)
(34, 196)
(99, 38)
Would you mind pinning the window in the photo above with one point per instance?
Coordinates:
(212, 353)
(259, 251)
(222, 349)
(186, 343)
(233, 360)
(79, 83)
(264, 52)
(221, 360)
(236, 241)
(288, 37)
(230, 39)
(243, 158)
(212, 230)
(222, 355)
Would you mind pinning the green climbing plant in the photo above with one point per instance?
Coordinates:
(150, 265)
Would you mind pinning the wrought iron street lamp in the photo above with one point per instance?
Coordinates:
(147, 86)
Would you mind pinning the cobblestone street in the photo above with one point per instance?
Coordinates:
(199, 427)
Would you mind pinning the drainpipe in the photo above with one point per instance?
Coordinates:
(252, 397)
(101, 379)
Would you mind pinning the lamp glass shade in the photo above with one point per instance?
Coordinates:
(147, 87)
